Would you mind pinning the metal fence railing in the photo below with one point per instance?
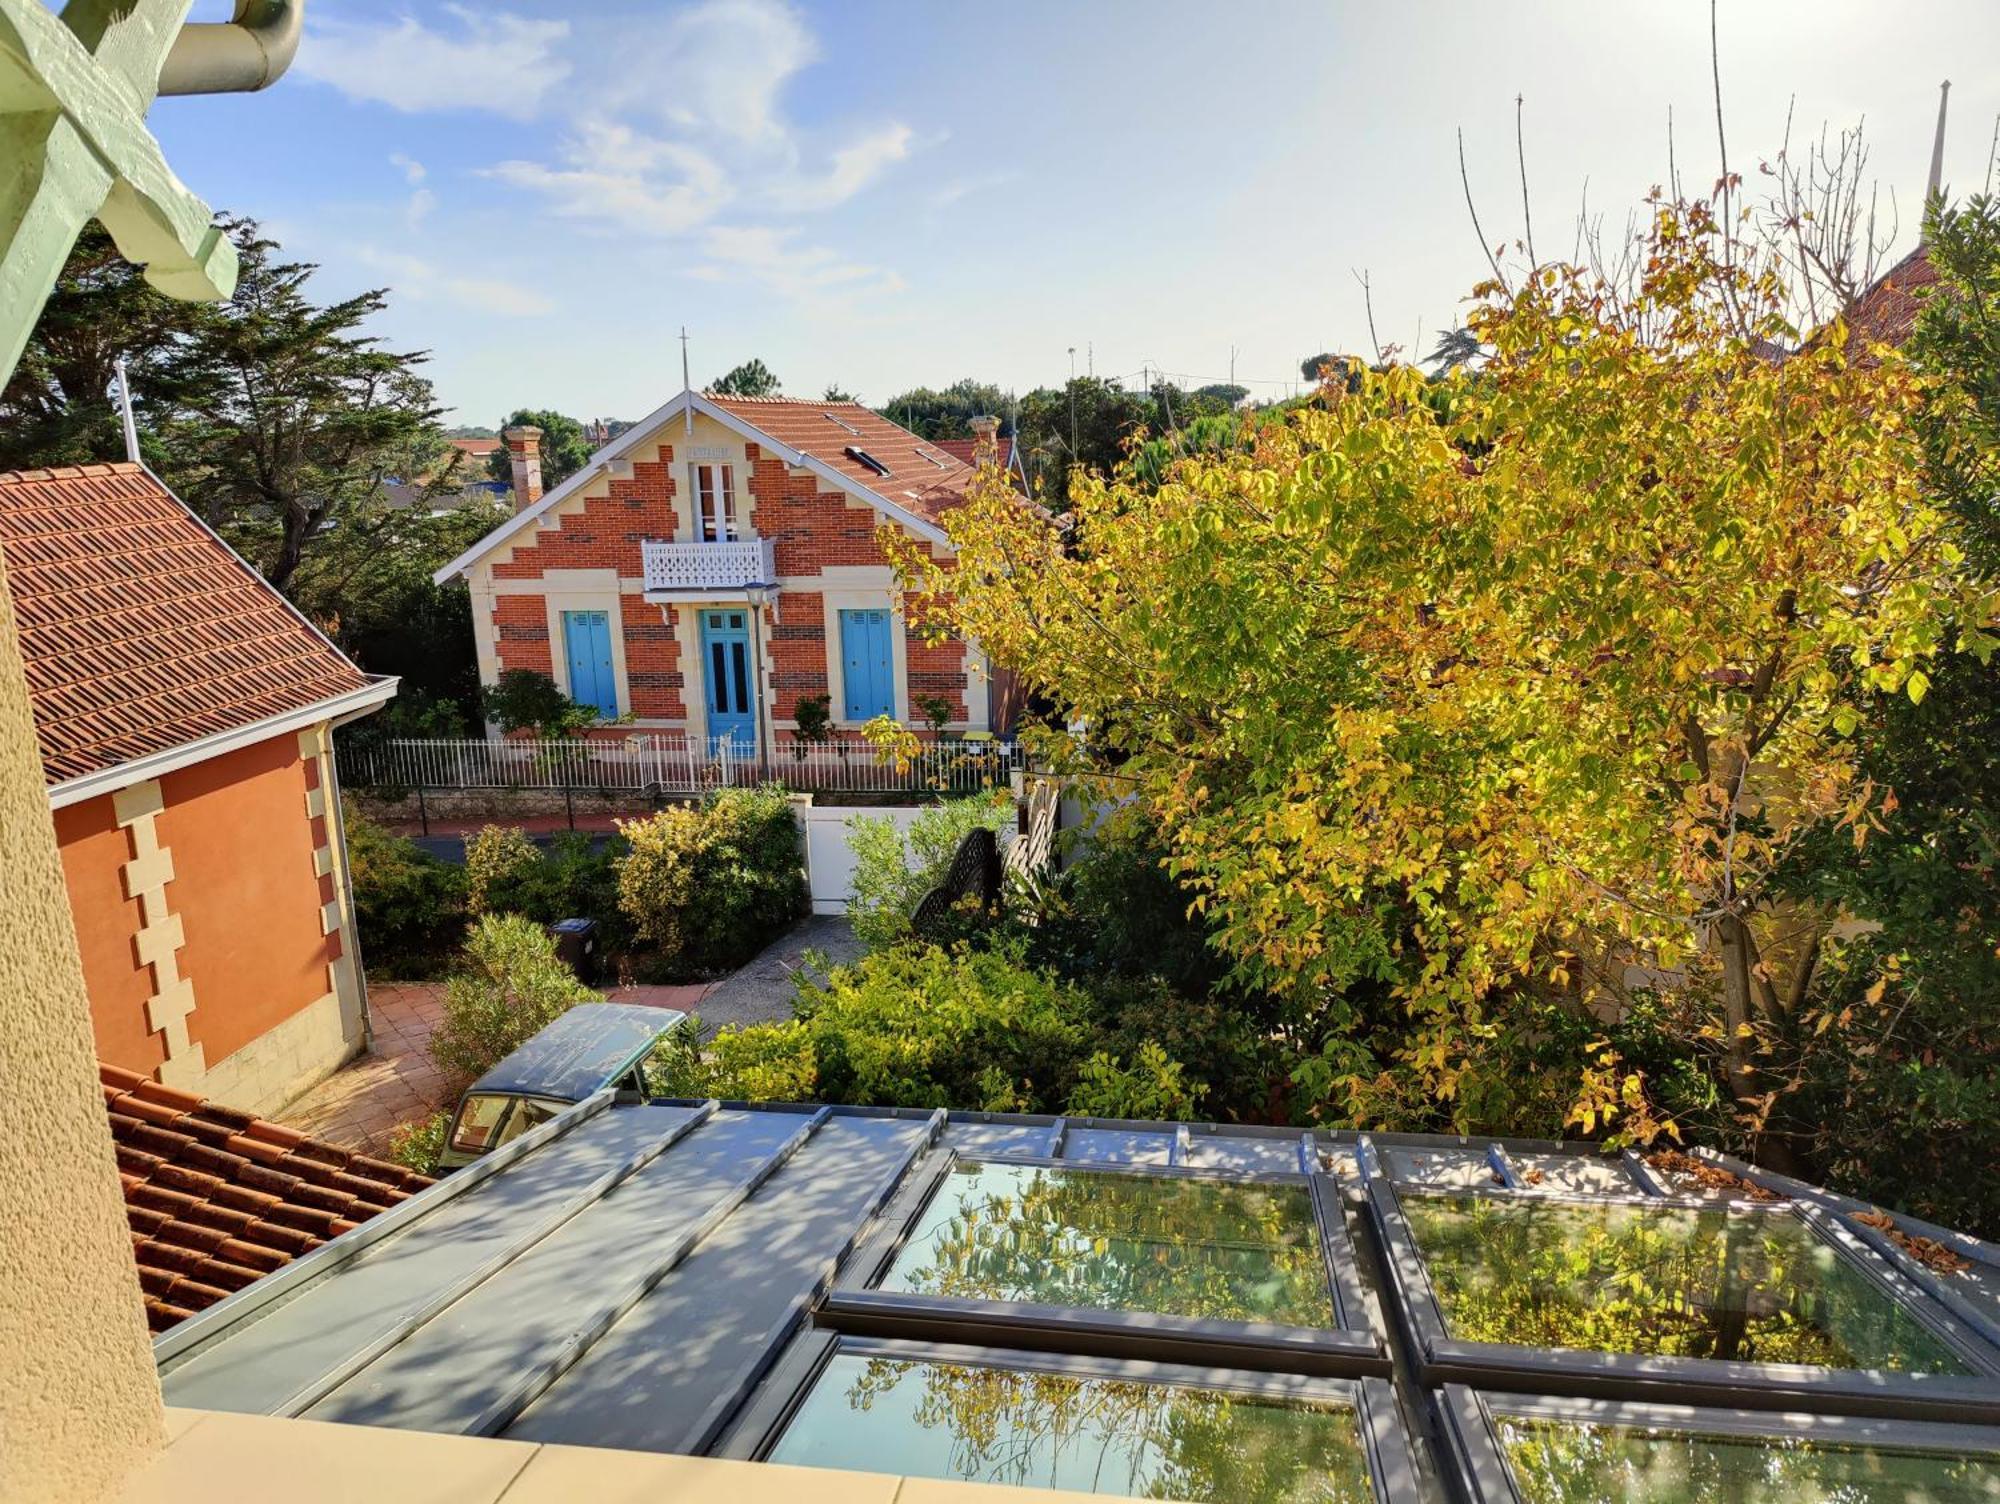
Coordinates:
(671, 763)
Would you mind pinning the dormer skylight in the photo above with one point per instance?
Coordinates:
(863, 458)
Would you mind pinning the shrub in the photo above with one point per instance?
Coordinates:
(508, 987)
(713, 884)
(575, 875)
(408, 905)
(928, 1027)
(420, 1145)
(526, 699)
(1154, 1086)
(496, 858)
(893, 869)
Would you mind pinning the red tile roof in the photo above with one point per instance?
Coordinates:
(1886, 313)
(922, 476)
(141, 631)
(217, 1198)
(477, 448)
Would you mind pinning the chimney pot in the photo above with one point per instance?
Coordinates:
(524, 456)
(985, 434)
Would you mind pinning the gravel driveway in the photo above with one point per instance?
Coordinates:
(761, 991)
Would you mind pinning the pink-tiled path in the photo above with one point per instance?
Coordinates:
(361, 1105)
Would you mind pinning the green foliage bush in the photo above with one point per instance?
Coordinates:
(408, 904)
(420, 1145)
(921, 1026)
(713, 884)
(575, 875)
(507, 988)
(894, 868)
(495, 858)
(526, 699)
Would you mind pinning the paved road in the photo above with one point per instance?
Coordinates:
(762, 991)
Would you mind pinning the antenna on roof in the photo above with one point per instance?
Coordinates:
(125, 411)
(687, 411)
(1936, 183)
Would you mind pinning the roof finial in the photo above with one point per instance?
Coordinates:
(1936, 184)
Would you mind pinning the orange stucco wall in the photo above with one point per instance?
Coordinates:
(94, 849)
(243, 886)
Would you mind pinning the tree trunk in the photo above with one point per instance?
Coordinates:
(1738, 1003)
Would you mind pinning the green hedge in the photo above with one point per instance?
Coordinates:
(713, 884)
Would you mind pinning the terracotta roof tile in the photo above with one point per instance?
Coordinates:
(923, 477)
(141, 632)
(217, 1198)
(1886, 314)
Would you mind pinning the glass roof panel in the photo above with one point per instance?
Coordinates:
(992, 1425)
(1557, 1462)
(1169, 1245)
(1664, 1280)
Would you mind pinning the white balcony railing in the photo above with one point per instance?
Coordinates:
(683, 567)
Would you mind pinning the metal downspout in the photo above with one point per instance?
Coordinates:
(238, 56)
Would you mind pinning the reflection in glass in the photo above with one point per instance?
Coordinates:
(1559, 1463)
(1091, 1238)
(990, 1425)
(1713, 1283)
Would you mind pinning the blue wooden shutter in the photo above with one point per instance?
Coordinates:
(868, 672)
(587, 635)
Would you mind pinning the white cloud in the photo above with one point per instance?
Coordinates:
(413, 171)
(419, 279)
(489, 61)
(614, 176)
(768, 256)
(853, 168)
(419, 207)
(717, 67)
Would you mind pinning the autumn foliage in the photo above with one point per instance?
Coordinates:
(1477, 711)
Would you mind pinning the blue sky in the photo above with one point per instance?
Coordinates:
(886, 195)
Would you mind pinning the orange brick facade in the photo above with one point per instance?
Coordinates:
(814, 529)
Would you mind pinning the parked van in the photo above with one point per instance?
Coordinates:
(592, 1046)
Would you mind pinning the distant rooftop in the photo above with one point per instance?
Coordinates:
(1172, 1310)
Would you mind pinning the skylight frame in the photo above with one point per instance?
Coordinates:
(1471, 1451)
(868, 461)
(841, 423)
(1390, 1450)
(1356, 1344)
(1438, 1358)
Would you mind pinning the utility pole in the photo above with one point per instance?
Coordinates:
(1072, 401)
(1232, 365)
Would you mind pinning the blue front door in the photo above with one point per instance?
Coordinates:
(867, 668)
(729, 677)
(587, 635)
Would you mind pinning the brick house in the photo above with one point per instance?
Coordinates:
(718, 562)
(184, 712)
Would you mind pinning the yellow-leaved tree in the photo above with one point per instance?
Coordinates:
(1508, 690)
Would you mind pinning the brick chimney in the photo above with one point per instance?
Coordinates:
(985, 437)
(524, 454)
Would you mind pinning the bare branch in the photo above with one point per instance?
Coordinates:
(1521, 159)
(1485, 246)
(1368, 302)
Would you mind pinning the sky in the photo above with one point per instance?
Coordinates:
(887, 195)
